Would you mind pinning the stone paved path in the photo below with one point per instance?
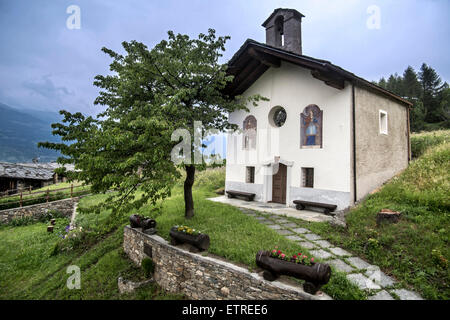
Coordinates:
(370, 278)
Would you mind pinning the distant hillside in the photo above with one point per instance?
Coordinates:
(21, 130)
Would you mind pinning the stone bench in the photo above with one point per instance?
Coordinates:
(328, 208)
(248, 196)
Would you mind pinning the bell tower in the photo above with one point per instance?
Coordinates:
(284, 30)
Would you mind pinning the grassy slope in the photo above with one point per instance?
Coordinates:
(405, 249)
(99, 253)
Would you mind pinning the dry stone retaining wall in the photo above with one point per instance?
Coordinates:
(202, 277)
(35, 211)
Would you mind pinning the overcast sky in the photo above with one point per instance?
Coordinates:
(45, 65)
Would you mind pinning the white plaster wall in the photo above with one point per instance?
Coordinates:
(294, 88)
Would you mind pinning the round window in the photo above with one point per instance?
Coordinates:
(277, 116)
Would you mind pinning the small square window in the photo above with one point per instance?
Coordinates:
(383, 122)
(308, 177)
(250, 175)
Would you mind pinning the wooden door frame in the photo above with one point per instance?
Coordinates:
(268, 179)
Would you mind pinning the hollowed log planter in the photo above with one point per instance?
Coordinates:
(315, 275)
(137, 221)
(200, 241)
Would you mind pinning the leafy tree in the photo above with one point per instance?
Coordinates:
(411, 85)
(431, 85)
(149, 95)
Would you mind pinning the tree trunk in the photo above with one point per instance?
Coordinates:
(188, 201)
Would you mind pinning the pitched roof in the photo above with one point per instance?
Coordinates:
(254, 58)
(19, 171)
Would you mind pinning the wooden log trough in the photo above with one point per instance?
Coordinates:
(316, 275)
(137, 221)
(199, 241)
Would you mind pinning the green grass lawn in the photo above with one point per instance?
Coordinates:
(37, 196)
(99, 254)
(416, 250)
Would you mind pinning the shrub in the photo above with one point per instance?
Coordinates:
(422, 141)
(23, 221)
(148, 266)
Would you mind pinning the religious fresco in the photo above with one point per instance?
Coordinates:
(311, 127)
(249, 134)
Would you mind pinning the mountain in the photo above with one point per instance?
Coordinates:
(21, 130)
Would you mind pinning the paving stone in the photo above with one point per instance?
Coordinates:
(266, 221)
(312, 236)
(362, 282)
(382, 295)
(282, 221)
(339, 252)
(290, 225)
(358, 263)
(283, 232)
(341, 265)
(404, 294)
(300, 230)
(379, 277)
(260, 218)
(323, 243)
(295, 238)
(307, 245)
(321, 254)
(274, 226)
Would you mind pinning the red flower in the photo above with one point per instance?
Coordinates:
(294, 256)
(279, 252)
(312, 259)
(299, 254)
(273, 251)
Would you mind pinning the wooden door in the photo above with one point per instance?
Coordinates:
(279, 183)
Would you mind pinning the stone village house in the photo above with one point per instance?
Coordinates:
(23, 176)
(326, 135)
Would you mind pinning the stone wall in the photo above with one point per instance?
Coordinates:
(202, 277)
(64, 206)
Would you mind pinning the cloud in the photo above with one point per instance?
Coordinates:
(46, 88)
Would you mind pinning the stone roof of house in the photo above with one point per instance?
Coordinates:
(20, 171)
